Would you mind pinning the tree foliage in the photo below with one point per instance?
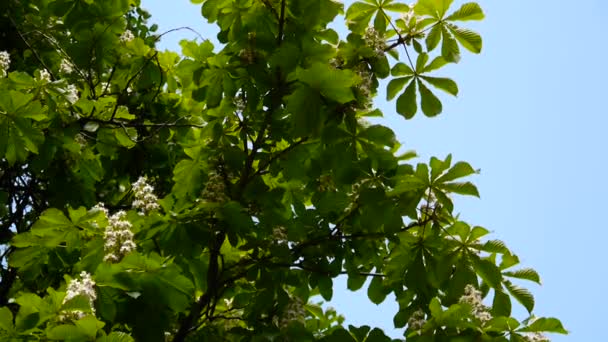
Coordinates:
(214, 194)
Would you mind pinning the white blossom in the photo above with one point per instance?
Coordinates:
(417, 320)
(375, 41)
(118, 238)
(83, 287)
(145, 199)
(66, 67)
(294, 311)
(71, 93)
(105, 86)
(472, 296)
(5, 63)
(536, 337)
(126, 36)
(215, 189)
(45, 76)
(279, 235)
(100, 207)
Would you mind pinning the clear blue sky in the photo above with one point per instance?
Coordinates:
(532, 115)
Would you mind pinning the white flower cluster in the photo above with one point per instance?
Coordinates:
(279, 234)
(367, 82)
(126, 36)
(375, 41)
(71, 93)
(119, 238)
(293, 312)
(5, 63)
(65, 67)
(81, 140)
(84, 287)
(100, 207)
(145, 199)
(536, 337)
(215, 189)
(45, 76)
(472, 296)
(416, 321)
(105, 86)
(239, 103)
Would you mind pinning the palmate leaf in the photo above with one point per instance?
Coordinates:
(544, 324)
(19, 137)
(523, 296)
(468, 11)
(407, 104)
(524, 273)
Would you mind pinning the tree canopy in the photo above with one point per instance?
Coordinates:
(216, 193)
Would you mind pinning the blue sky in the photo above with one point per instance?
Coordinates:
(531, 115)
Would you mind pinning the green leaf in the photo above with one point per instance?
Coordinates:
(459, 170)
(331, 83)
(552, 325)
(477, 233)
(116, 336)
(524, 273)
(495, 246)
(468, 39)
(305, 104)
(487, 271)
(326, 287)
(358, 15)
(51, 219)
(376, 291)
(67, 332)
(468, 11)
(395, 86)
(449, 49)
(508, 260)
(444, 84)
(523, 296)
(379, 135)
(501, 305)
(435, 64)
(407, 183)
(431, 106)
(433, 38)
(89, 325)
(406, 103)
(6, 320)
(421, 62)
(466, 188)
(433, 8)
(401, 69)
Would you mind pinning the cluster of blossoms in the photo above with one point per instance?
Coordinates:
(416, 321)
(294, 312)
(536, 337)
(374, 40)
(45, 76)
(71, 93)
(215, 189)
(5, 63)
(118, 238)
(84, 287)
(145, 199)
(239, 103)
(472, 296)
(279, 234)
(366, 86)
(126, 36)
(65, 67)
